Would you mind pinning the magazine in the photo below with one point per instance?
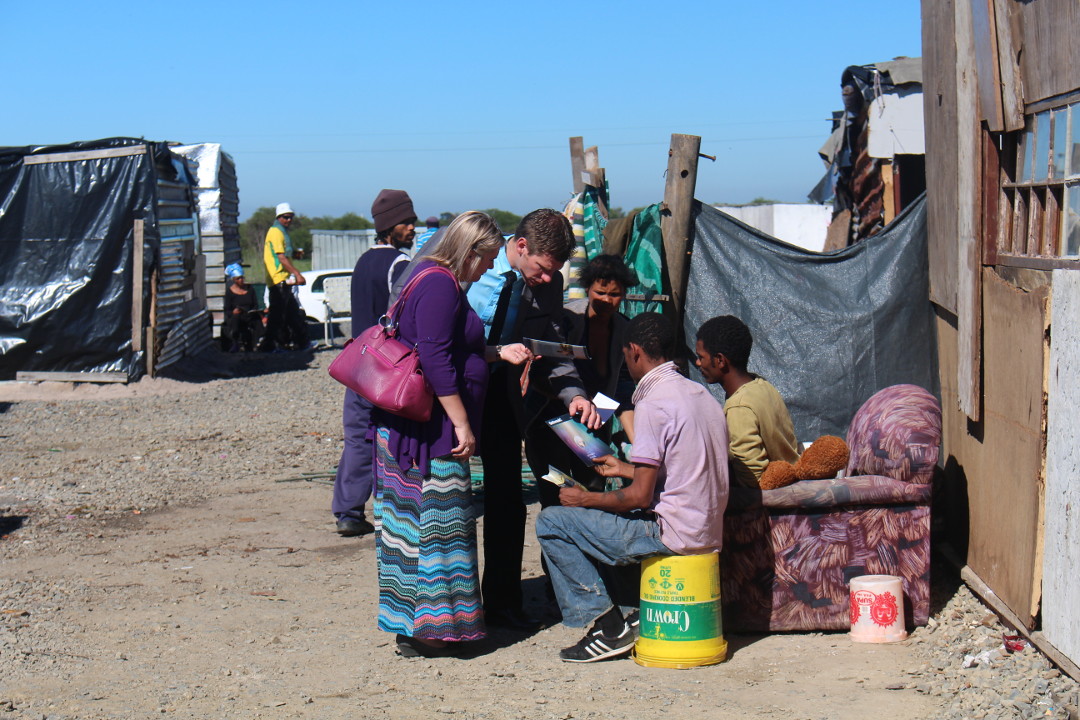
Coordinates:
(586, 446)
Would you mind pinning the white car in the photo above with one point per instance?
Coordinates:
(311, 294)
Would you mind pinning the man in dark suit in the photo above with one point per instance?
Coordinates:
(521, 296)
(595, 322)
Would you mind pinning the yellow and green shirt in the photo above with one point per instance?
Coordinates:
(277, 241)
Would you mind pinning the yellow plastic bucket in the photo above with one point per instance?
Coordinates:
(681, 625)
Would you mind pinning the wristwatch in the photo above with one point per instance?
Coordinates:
(498, 351)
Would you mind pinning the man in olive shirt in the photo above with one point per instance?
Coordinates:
(759, 424)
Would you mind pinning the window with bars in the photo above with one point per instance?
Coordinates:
(1040, 189)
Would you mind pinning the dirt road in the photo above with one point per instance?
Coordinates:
(242, 602)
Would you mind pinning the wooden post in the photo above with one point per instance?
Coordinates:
(577, 163)
(151, 329)
(593, 174)
(137, 288)
(675, 216)
(888, 192)
(150, 352)
(969, 249)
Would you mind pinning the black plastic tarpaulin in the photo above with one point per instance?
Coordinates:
(67, 215)
(829, 329)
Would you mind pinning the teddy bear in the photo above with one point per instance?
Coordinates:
(827, 456)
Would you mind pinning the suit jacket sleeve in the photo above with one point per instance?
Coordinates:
(541, 308)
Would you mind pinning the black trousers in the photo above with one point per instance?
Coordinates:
(504, 507)
(244, 329)
(284, 317)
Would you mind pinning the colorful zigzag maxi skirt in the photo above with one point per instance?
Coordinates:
(425, 532)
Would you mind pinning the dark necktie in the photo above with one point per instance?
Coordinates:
(502, 307)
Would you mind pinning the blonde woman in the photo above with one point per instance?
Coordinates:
(429, 592)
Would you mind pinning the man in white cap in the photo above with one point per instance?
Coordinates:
(375, 273)
(281, 276)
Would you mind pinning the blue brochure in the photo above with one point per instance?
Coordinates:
(577, 437)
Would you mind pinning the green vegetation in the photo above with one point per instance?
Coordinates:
(253, 230)
(507, 220)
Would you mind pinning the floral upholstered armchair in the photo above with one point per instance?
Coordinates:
(789, 553)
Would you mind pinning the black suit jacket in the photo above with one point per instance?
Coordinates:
(539, 316)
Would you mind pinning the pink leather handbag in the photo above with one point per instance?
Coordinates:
(385, 371)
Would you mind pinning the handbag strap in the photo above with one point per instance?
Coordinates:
(413, 282)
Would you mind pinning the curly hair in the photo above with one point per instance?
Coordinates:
(727, 335)
(547, 232)
(607, 267)
(654, 333)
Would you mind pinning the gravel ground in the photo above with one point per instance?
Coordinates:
(967, 666)
(78, 464)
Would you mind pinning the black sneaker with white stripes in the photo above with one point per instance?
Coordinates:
(598, 646)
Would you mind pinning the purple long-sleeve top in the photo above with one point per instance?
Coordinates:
(449, 337)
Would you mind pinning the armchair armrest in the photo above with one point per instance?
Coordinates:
(831, 494)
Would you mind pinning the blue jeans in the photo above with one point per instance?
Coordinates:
(570, 536)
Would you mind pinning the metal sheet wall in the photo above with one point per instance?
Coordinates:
(181, 322)
(333, 249)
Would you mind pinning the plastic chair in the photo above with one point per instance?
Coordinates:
(337, 299)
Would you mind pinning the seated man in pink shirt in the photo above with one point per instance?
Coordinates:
(675, 505)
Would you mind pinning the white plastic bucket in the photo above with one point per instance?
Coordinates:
(877, 609)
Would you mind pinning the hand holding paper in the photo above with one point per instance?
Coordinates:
(554, 349)
(605, 406)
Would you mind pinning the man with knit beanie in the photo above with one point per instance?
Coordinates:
(375, 273)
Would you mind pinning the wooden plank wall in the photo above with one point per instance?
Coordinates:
(1000, 465)
(999, 460)
(1045, 32)
(939, 91)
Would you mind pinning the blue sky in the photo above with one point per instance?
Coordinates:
(465, 105)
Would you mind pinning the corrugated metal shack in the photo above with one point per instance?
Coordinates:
(217, 199)
(875, 155)
(99, 262)
(1003, 152)
(332, 249)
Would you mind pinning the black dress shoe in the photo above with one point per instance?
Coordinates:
(512, 619)
(351, 527)
(411, 647)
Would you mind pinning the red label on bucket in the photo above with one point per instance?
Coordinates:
(883, 611)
